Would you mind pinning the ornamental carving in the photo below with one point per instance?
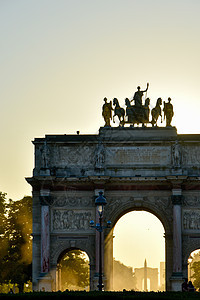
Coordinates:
(163, 204)
(73, 201)
(191, 220)
(192, 200)
(191, 155)
(73, 155)
(71, 220)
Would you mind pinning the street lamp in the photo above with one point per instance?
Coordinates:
(100, 202)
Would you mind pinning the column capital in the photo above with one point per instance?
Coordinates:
(46, 200)
(177, 199)
(45, 197)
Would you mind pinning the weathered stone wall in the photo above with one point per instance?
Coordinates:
(153, 169)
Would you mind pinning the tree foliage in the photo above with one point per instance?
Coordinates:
(74, 270)
(196, 275)
(16, 246)
(124, 278)
(3, 233)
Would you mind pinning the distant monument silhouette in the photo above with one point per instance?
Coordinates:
(145, 273)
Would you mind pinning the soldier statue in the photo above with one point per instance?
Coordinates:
(168, 112)
(107, 112)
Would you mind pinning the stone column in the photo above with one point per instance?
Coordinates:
(45, 279)
(177, 276)
(45, 239)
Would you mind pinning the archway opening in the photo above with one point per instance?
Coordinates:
(73, 271)
(139, 252)
(194, 269)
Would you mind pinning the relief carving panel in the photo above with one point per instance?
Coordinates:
(191, 155)
(147, 155)
(73, 155)
(71, 220)
(191, 219)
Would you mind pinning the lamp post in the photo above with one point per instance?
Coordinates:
(100, 202)
(190, 263)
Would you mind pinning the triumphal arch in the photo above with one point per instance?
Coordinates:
(139, 167)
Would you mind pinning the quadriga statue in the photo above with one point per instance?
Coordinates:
(138, 113)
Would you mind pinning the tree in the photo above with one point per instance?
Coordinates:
(3, 235)
(17, 261)
(74, 270)
(124, 277)
(196, 275)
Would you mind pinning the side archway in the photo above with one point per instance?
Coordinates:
(73, 271)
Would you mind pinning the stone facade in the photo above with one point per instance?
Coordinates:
(152, 169)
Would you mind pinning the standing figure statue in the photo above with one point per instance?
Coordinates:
(138, 96)
(168, 112)
(45, 156)
(176, 154)
(107, 112)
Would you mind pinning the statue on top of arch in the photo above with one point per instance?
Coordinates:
(139, 112)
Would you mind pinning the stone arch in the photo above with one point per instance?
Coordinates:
(190, 246)
(145, 205)
(64, 246)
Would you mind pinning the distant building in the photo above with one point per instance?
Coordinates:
(162, 276)
(142, 274)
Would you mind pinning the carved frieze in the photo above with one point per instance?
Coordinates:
(73, 201)
(191, 219)
(145, 155)
(71, 220)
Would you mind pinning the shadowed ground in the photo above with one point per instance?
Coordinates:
(104, 295)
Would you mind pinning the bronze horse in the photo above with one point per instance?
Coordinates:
(118, 111)
(156, 112)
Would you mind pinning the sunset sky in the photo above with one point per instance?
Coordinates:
(59, 59)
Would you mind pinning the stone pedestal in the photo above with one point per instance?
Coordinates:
(176, 282)
(45, 282)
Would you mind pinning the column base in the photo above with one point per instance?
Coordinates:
(96, 282)
(176, 281)
(45, 282)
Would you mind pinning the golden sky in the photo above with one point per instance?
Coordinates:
(59, 59)
(145, 240)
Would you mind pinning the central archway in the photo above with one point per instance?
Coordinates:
(139, 252)
(151, 202)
